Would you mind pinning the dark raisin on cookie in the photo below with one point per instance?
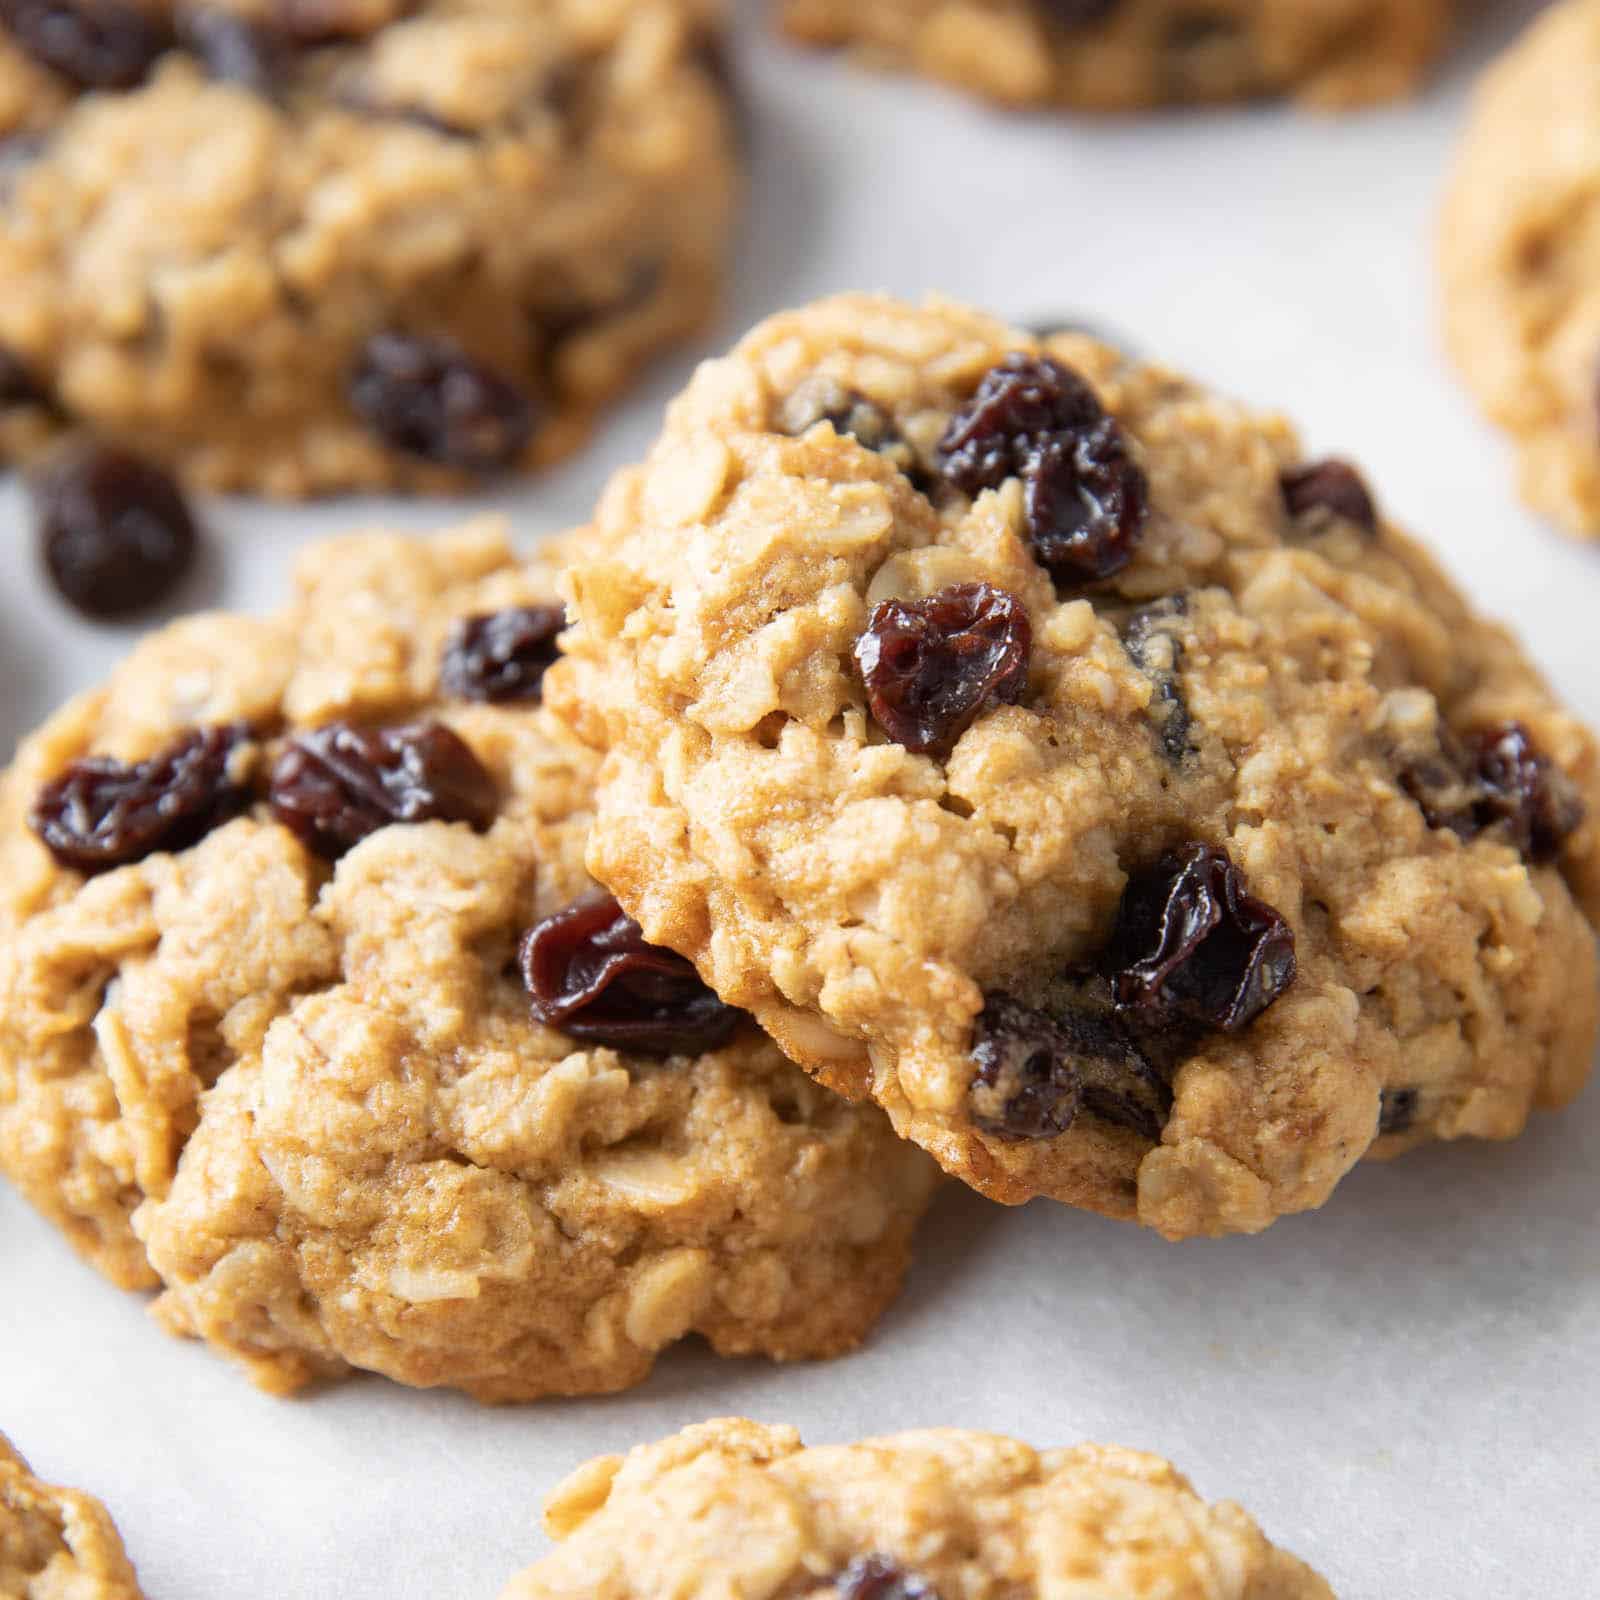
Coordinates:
(930, 666)
(426, 397)
(1085, 497)
(1495, 779)
(334, 785)
(590, 973)
(1079, 13)
(501, 655)
(1190, 942)
(115, 533)
(235, 49)
(881, 1577)
(1037, 1069)
(851, 413)
(18, 387)
(1397, 1110)
(103, 813)
(1150, 638)
(1329, 486)
(95, 44)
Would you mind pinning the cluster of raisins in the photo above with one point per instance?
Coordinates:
(1191, 952)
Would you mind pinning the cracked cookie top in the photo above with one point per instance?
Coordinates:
(267, 1040)
(733, 1507)
(1045, 748)
(57, 1542)
(301, 246)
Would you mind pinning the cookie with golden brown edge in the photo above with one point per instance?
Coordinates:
(1519, 259)
(733, 1507)
(56, 1544)
(1039, 745)
(302, 246)
(1121, 55)
(272, 902)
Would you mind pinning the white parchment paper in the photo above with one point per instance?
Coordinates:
(1403, 1386)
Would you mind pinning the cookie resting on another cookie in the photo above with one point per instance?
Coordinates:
(56, 1544)
(300, 246)
(1119, 55)
(1519, 257)
(266, 1040)
(1039, 745)
(735, 1508)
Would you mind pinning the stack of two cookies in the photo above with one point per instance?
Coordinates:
(1033, 745)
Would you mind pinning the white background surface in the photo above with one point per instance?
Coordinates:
(1403, 1387)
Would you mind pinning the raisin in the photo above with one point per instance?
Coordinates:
(102, 813)
(930, 666)
(114, 531)
(502, 655)
(1329, 486)
(591, 974)
(18, 386)
(1192, 944)
(880, 1577)
(336, 784)
(1397, 1110)
(1153, 646)
(850, 412)
(1085, 497)
(1037, 1069)
(234, 49)
(96, 44)
(426, 397)
(1496, 779)
(1079, 13)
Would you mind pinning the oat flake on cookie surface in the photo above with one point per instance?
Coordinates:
(1039, 745)
(56, 1544)
(1121, 55)
(266, 1044)
(301, 246)
(736, 1508)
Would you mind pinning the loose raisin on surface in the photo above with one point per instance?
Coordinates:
(880, 1577)
(235, 49)
(1085, 497)
(1397, 1110)
(1333, 486)
(1495, 778)
(501, 655)
(96, 44)
(930, 666)
(427, 398)
(1191, 943)
(1037, 1069)
(1150, 638)
(114, 531)
(591, 974)
(338, 783)
(102, 813)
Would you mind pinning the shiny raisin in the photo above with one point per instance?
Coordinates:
(1329, 486)
(1036, 1070)
(338, 783)
(880, 1577)
(1151, 640)
(1397, 1110)
(95, 44)
(591, 975)
(235, 49)
(102, 813)
(1192, 944)
(930, 666)
(1085, 498)
(115, 532)
(1495, 779)
(501, 655)
(426, 397)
